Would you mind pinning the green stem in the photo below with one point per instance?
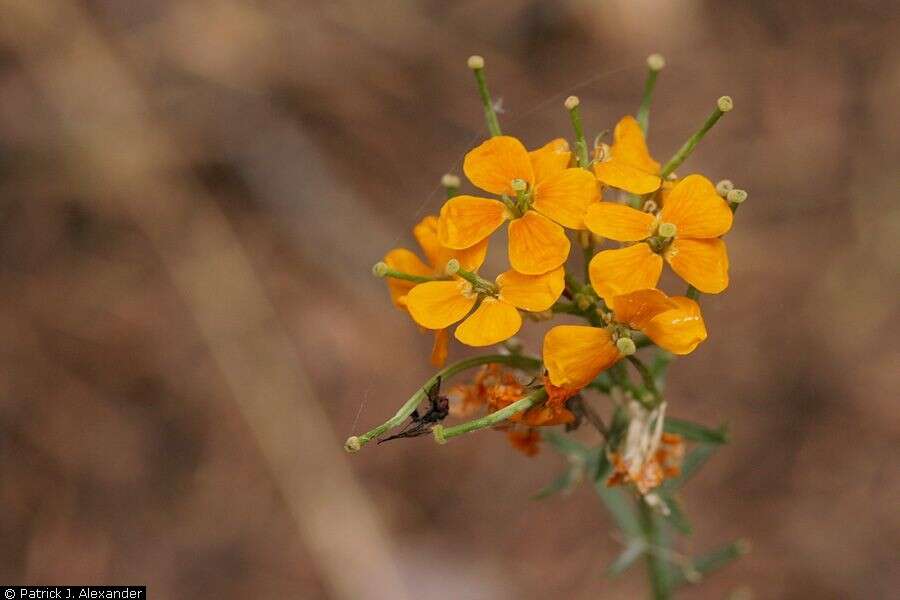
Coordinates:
(490, 116)
(441, 434)
(410, 277)
(518, 361)
(643, 113)
(692, 142)
(656, 564)
(581, 148)
(647, 377)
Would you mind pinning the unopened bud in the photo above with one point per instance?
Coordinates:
(656, 62)
(450, 181)
(438, 432)
(626, 346)
(572, 102)
(736, 196)
(518, 185)
(582, 301)
(723, 187)
(475, 62)
(352, 444)
(380, 269)
(452, 267)
(725, 103)
(667, 230)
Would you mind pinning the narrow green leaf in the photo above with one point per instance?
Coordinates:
(633, 551)
(696, 432)
(564, 482)
(711, 562)
(676, 517)
(564, 444)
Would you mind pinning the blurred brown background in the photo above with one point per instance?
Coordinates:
(192, 193)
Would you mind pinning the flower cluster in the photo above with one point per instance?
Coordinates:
(629, 215)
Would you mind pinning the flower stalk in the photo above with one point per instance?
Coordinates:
(723, 105)
(655, 64)
(519, 361)
(581, 149)
(442, 434)
(476, 63)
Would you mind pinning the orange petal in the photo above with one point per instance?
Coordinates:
(550, 159)
(439, 304)
(635, 309)
(702, 263)
(466, 220)
(536, 244)
(426, 233)
(565, 196)
(439, 350)
(495, 163)
(679, 330)
(619, 222)
(401, 259)
(531, 292)
(615, 272)
(491, 323)
(574, 354)
(625, 177)
(695, 208)
(630, 148)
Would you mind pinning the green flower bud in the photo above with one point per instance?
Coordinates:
(626, 346)
(379, 269)
(452, 267)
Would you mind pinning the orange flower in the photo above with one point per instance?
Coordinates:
(401, 259)
(527, 441)
(685, 233)
(539, 194)
(574, 354)
(629, 165)
(647, 456)
(546, 414)
(439, 304)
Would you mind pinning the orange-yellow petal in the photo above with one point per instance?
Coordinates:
(426, 233)
(635, 309)
(440, 347)
(565, 196)
(495, 163)
(439, 304)
(550, 159)
(574, 355)
(679, 330)
(630, 147)
(491, 323)
(466, 220)
(695, 209)
(702, 263)
(401, 259)
(625, 177)
(531, 292)
(619, 222)
(536, 244)
(615, 272)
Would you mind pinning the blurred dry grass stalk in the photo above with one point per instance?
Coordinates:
(193, 189)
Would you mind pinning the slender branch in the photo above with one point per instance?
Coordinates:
(476, 63)
(723, 105)
(354, 443)
(581, 149)
(441, 434)
(656, 564)
(655, 63)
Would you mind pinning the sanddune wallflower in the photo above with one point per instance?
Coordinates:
(685, 233)
(539, 194)
(627, 164)
(575, 354)
(439, 304)
(406, 261)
